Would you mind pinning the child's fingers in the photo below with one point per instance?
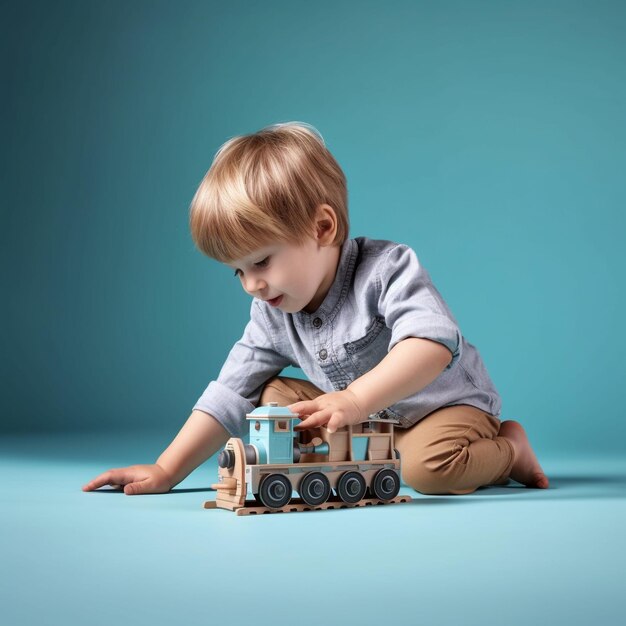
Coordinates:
(334, 424)
(337, 421)
(98, 481)
(314, 420)
(306, 407)
(142, 486)
(115, 478)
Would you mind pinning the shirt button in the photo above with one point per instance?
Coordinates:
(317, 322)
(323, 354)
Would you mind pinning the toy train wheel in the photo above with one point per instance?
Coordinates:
(275, 491)
(314, 488)
(351, 487)
(386, 484)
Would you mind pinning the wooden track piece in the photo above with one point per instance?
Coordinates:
(296, 505)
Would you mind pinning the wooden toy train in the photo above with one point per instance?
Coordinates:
(359, 463)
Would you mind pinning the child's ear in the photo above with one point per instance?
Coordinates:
(325, 225)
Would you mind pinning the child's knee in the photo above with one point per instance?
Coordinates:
(286, 391)
(276, 390)
(433, 481)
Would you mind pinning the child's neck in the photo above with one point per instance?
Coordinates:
(330, 256)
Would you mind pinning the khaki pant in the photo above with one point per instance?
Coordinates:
(454, 450)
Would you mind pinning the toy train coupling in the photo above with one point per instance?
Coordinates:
(315, 446)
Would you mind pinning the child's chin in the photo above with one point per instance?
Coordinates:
(286, 307)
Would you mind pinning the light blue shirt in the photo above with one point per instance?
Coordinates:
(381, 295)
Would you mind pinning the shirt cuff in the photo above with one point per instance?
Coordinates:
(439, 329)
(227, 407)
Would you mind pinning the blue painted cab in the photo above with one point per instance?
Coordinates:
(271, 433)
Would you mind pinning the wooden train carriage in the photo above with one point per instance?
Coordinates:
(278, 461)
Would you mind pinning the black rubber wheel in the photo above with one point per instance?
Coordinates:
(275, 491)
(386, 484)
(314, 488)
(351, 487)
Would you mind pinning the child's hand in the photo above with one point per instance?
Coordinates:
(135, 479)
(336, 409)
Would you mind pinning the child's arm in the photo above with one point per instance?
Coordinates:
(411, 365)
(200, 437)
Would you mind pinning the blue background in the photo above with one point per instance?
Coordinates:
(490, 136)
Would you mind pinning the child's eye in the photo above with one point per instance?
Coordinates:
(260, 264)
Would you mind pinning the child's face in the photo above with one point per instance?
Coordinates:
(290, 277)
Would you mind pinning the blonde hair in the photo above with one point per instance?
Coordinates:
(265, 187)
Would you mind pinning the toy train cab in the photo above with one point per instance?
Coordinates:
(350, 462)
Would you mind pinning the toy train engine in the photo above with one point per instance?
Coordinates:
(351, 462)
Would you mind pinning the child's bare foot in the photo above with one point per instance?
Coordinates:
(526, 468)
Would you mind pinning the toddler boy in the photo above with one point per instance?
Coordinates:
(360, 317)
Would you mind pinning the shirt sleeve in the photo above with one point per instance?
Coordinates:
(252, 361)
(412, 306)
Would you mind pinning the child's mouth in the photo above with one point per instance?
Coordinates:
(275, 301)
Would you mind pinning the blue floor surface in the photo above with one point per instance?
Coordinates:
(504, 555)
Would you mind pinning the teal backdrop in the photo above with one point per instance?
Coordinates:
(490, 136)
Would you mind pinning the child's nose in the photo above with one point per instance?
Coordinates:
(254, 285)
